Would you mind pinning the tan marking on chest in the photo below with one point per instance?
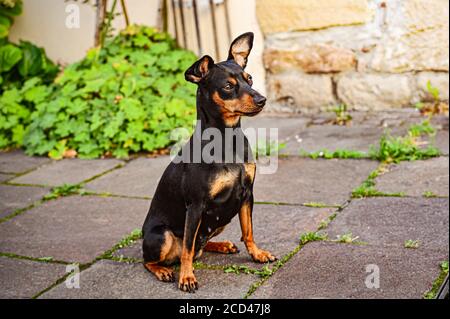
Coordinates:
(250, 170)
(222, 181)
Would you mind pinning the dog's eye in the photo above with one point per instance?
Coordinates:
(250, 80)
(229, 87)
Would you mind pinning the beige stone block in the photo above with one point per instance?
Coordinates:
(319, 58)
(300, 92)
(416, 37)
(294, 15)
(375, 91)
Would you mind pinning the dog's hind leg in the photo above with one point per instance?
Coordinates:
(161, 247)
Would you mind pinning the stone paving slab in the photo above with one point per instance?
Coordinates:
(15, 197)
(390, 221)
(288, 127)
(331, 270)
(333, 137)
(139, 177)
(72, 229)
(416, 178)
(276, 228)
(24, 278)
(68, 171)
(441, 142)
(111, 280)
(303, 180)
(5, 177)
(17, 162)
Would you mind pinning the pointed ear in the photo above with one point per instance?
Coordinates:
(199, 69)
(240, 49)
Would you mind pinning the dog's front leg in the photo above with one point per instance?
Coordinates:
(245, 218)
(187, 281)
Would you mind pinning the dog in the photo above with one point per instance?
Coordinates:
(195, 201)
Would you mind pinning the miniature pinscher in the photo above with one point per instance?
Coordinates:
(195, 201)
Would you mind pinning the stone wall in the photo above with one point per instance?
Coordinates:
(368, 54)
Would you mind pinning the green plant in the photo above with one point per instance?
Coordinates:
(431, 294)
(312, 236)
(125, 97)
(346, 238)
(238, 269)
(268, 148)
(422, 129)
(8, 10)
(413, 244)
(404, 148)
(17, 106)
(368, 189)
(342, 117)
(339, 153)
(435, 106)
(325, 222)
(64, 190)
(429, 194)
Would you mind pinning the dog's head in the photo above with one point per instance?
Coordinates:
(226, 85)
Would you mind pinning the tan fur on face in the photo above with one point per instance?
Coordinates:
(233, 109)
(221, 182)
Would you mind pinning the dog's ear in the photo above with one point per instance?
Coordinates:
(240, 49)
(199, 69)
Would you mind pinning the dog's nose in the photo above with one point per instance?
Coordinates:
(260, 101)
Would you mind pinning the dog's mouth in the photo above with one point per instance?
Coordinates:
(251, 113)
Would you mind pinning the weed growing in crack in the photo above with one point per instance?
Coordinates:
(405, 148)
(265, 148)
(324, 223)
(412, 244)
(429, 194)
(346, 238)
(125, 242)
(312, 236)
(431, 294)
(368, 189)
(339, 154)
(342, 117)
(65, 190)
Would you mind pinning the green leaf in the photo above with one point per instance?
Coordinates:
(5, 24)
(10, 55)
(31, 64)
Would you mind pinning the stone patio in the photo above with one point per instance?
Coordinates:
(39, 238)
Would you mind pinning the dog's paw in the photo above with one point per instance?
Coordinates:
(161, 273)
(188, 283)
(225, 247)
(230, 248)
(262, 256)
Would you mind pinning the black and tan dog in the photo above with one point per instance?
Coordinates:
(195, 201)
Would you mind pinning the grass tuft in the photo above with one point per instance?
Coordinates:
(412, 244)
(338, 154)
(64, 190)
(431, 294)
